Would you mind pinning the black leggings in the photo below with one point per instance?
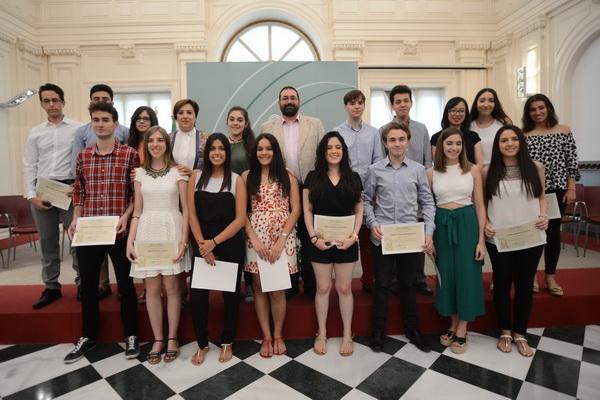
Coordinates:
(552, 250)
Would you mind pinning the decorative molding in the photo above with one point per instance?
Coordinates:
(191, 47)
(27, 47)
(462, 45)
(504, 41)
(348, 45)
(5, 37)
(540, 24)
(409, 48)
(127, 50)
(61, 51)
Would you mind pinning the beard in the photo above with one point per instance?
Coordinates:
(289, 110)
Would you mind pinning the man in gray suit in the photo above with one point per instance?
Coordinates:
(298, 136)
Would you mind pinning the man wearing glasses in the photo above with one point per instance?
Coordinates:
(48, 155)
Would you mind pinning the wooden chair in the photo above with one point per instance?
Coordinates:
(15, 215)
(576, 214)
(592, 201)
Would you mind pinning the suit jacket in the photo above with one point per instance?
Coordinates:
(311, 133)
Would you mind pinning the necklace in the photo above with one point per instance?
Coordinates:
(233, 141)
(157, 173)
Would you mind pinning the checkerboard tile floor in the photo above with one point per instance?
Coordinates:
(566, 365)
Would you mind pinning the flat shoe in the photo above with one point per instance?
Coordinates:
(171, 355)
(198, 358)
(505, 343)
(447, 338)
(320, 346)
(278, 345)
(154, 357)
(349, 347)
(523, 346)
(459, 345)
(554, 288)
(226, 352)
(269, 351)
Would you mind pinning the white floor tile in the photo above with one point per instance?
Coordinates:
(349, 370)
(181, 374)
(561, 348)
(97, 390)
(267, 388)
(433, 385)
(536, 331)
(356, 394)
(4, 346)
(31, 369)
(482, 351)
(413, 355)
(531, 391)
(114, 364)
(592, 337)
(175, 397)
(589, 378)
(267, 365)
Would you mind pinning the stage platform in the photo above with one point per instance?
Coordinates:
(61, 321)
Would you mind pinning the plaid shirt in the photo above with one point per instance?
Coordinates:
(103, 182)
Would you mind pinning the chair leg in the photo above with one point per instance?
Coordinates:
(585, 240)
(576, 237)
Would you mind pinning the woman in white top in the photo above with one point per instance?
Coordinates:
(514, 190)
(159, 189)
(458, 239)
(187, 142)
(487, 116)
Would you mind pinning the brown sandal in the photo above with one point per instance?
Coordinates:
(523, 346)
(505, 343)
(554, 288)
(278, 344)
(350, 344)
(322, 342)
(268, 353)
(226, 352)
(198, 358)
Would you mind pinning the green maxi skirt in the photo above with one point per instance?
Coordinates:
(455, 239)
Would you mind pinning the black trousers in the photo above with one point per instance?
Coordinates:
(232, 250)
(552, 249)
(518, 268)
(90, 259)
(405, 265)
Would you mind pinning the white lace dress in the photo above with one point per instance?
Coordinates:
(161, 219)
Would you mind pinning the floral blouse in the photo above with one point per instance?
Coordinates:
(558, 152)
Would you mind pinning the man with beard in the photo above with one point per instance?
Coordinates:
(298, 136)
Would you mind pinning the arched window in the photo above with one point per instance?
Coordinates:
(270, 41)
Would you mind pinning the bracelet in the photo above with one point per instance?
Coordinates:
(354, 236)
(572, 189)
(283, 234)
(135, 216)
(543, 216)
(215, 242)
(313, 237)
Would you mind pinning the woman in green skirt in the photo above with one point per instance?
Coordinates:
(458, 239)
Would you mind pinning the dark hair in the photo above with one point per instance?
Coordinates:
(208, 167)
(530, 180)
(498, 112)
(182, 103)
(277, 171)
(394, 125)
(101, 87)
(169, 160)
(106, 107)
(288, 87)
(247, 133)
(399, 89)
(551, 119)
(135, 137)
(354, 95)
(55, 88)
(439, 161)
(347, 182)
(453, 102)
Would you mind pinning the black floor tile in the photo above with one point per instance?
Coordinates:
(19, 350)
(533, 340)
(571, 334)
(58, 386)
(554, 372)
(309, 382)
(243, 349)
(103, 350)
(592, 356)
(298, 347)
(139, 383)
(475, 375)
(392, 379)
(390, 345)
(224, 383)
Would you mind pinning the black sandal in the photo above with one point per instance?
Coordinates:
(459, 345)
(171, 355)
(447, 338)
(154, 357)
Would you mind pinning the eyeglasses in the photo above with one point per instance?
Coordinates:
(458, 112)
(142, 119)
(53, 101)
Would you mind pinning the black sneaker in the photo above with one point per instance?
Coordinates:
(83, 345)
(132, 347)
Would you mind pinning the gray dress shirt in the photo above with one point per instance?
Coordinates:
(419, 149)
(364, 146)
(86, 137)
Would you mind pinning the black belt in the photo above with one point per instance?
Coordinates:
(66, 181)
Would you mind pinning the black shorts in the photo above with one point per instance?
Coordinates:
(334, 255)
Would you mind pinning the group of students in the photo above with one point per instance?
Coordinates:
(240, 198)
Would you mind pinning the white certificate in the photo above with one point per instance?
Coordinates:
(274, 276)
(519, 237)
(153, 255)
(221, 276)
(403, 238)
(54, 192)
(552, 206)
(94, 231)
(333, 228)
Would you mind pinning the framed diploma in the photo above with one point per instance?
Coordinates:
(54, 192)
(274, 276)
(519, 237)
(155, 255)
(333, 228)
(221, 276)
(552, 206)
(94, 231)
(403, 238)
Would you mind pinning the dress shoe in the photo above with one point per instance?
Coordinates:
(83, 345)
(424, 289)
(104, 292)
(47, 297)
(376, 342)
(418, 340)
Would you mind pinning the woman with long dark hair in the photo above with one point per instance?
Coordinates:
(142, 119)
(274, 210)
(458, 238)
(456, 115)
(514, 190)
(553, 145)
(333, 190)
(217, 210)
(487, 116)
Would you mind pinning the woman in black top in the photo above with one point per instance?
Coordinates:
(333, 190)
(456, 115)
